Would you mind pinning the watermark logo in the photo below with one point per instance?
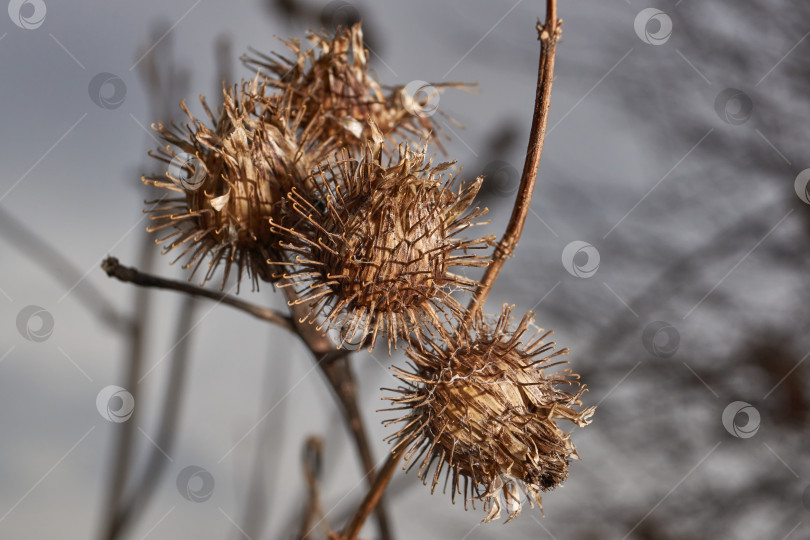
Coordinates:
(501, 178)
(661, 339)
(187, 172)
(653, 26)
(107, 90)
(348, 333)
(580, 259)
(195, 484)
(802, 186)
(35, 323)
(732, 415)
(115, 404)
(339, 13)
(27, 14)
(733, 106)
(420, 98)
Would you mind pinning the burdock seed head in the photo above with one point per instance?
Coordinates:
(372, 245)
(228, 179)
(331, 82)
(483, 406)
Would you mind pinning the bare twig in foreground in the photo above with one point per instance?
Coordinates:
(132, 275)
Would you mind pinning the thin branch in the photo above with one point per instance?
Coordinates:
(333, 363)
(373, 496)
(549, 35)
(396, 489)
(332, 438)
(128, 274)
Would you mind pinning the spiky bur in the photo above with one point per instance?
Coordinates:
(228, 179)
(331, 81)
(371, 246)
(483, 407)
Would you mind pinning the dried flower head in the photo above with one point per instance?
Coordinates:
(230, 178)
(331, 81)
(372, 245)
(483, 404)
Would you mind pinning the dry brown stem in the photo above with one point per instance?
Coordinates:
(373, 496)
(334, 364)
(549, 34)
(128, 274)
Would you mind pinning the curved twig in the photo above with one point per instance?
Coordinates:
(313, 513)
(132, 275)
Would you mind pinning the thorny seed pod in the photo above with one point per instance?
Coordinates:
(230, 178)
(331, 82)
(483, 404)
(374, 244)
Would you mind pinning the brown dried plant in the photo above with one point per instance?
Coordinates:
(331, 81)
(316, 178)
(373, 243)
(230, 178)
(270, 136)
(482, 403)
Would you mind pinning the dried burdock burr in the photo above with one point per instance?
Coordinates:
(228, 179)
(331, 82)
(370, 248)
(483, 407)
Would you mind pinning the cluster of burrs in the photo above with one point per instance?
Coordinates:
(314, 176)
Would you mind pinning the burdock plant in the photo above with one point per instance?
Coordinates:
(481, 406)
(227, 179)
(316, 178)
(331, 81)
(373, 244)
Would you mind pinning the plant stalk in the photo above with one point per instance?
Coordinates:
(374, 495)
(549, 34)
